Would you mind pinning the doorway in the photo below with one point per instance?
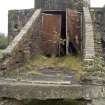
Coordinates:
(60, 30)
(67, 28)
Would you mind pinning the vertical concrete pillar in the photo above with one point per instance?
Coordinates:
(89, 50)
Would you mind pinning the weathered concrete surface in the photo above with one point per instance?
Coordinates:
(98, 102)
(17, 20)
(39, 91)
(100, 21)
(23, 32)
(58, 4)
(24, 45)
(27, 90)
(45, 74)
(89, 50)
(34, 90)
(7, 101)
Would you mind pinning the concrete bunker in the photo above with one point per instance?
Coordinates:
(53, 89)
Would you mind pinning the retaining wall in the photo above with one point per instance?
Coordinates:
(25, 44)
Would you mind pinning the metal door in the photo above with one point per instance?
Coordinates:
(51, 29)
(73, 32)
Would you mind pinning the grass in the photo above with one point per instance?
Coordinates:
(71, 63)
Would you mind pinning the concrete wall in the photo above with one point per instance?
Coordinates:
(16, 21)
(89, 50)
(97, 15)
(99, 20)
(58, 4)
(18, 18)
(25, 44)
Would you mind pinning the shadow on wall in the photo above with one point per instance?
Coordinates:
(54, 102)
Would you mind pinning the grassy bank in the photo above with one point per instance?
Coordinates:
(69, 62)
(32, 67)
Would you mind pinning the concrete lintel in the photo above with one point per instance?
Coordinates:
(89, 49)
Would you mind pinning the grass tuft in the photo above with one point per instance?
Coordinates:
(69, 62)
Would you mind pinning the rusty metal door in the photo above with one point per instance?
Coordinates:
(51, 29)
(73, 33)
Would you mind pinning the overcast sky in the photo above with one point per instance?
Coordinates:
(6, 5)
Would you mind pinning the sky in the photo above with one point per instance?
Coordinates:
(6, 5)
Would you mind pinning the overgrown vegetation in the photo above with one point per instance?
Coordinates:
(33, 66)
(3, 41)
(98, 68)
(69, 62)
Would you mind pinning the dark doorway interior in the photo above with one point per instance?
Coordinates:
(62, 46)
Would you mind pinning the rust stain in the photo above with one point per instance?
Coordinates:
(73, 26)
(51, 27)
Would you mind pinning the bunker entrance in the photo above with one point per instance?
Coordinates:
(54, 24)
(59, 33)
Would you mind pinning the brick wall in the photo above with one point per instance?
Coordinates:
(24, 45)
(16, 21)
